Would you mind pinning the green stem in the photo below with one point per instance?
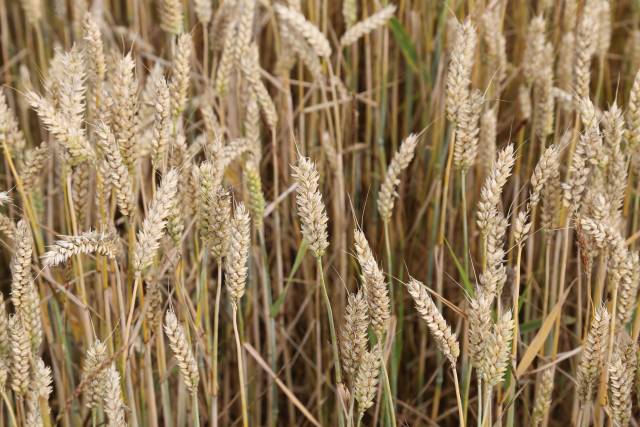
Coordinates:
(243, 392)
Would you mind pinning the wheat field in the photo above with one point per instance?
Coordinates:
(319, 213)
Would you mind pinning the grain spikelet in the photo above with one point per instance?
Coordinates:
(179, 85)
(467, 131)
(24, 294)
(116, 172)
(311, 210)
(90, 242)
(94, 373)
(366, 381)
(113, 404)
(152, 230)
(544, 390)
(459, 72)
(375, 288)
(366, 26)
(399, 163)
(161, 123)
(498, 350)
(593, 350)
(236, 269)
(492, 188)
(317, 41)
(182, 350)
(353, 338)
(446, 340)
(20, 356)
(171, 16)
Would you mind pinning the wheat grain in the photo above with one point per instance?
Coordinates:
(460, 67)
(311, 210)
(375, 288)
(399, 163)
(593, 350)
(171, 16)
(368, 25)
(544, 390)
(366, 381)
(236, 269)
(152, 230)
(20, 356)
(182, 350)
(317, 41)
(446, 340)
(353, 338)
(179, 84)
(90, 242)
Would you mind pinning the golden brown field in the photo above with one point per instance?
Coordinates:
(319, 213)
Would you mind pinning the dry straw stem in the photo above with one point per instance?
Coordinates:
(446, 340)
(115, 171)
(366, 26)
(152, 230)
(588, 371)
(311, 210)
(376, 290)
(491, 192)
(182, 351)
(235, 266)
(171, 16)
(179, 85)
(399, 163)
(298, 23)
(353, 338)
(365, 383)
(459, 72)
(90, 242)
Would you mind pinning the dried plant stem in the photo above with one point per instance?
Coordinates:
(332, 331)
(456, 384)
(214, 356)
(243, 391)
(387, 389)
(465, 227)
